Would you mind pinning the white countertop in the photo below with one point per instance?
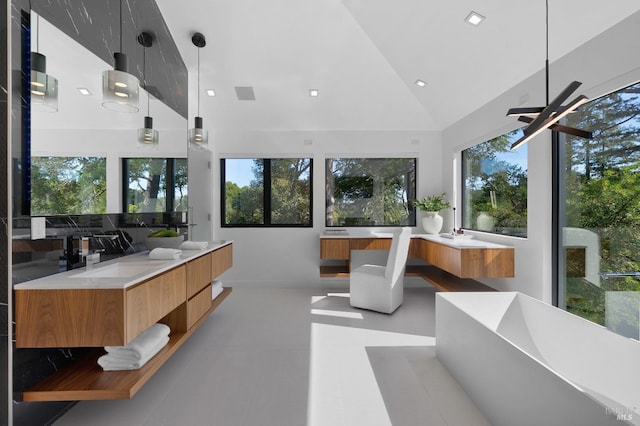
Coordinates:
(141, 266)
(457, 242)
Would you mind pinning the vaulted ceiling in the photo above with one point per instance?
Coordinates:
(365, 55)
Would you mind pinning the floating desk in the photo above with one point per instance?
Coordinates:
(453, 263)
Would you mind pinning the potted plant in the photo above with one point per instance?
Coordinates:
(432, 205)
(167, 238)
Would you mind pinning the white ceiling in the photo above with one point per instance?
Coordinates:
(365, 55)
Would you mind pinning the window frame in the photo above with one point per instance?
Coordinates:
(170, 179)
(266, 194)
(463, 192)
(412, 216)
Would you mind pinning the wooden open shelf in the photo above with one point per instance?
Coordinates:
(334, 271)
(443, 280)
(85, 379)
(440, 279)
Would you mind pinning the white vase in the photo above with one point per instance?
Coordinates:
(485, 222)
(432, 222)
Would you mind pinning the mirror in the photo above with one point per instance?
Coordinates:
(84, 135)
(83, 139)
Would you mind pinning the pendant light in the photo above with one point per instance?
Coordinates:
(119, 88)
(44, 88)
(147, 136)
(198, 137)
(542, 118)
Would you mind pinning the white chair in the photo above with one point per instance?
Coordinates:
(377, 276)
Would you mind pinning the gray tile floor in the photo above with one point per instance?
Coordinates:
(284, 356)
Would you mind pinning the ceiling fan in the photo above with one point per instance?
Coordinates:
(542, 118)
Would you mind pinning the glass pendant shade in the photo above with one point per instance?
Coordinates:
(120, 90)
(44, 88)
(148, 137)
(198, 137)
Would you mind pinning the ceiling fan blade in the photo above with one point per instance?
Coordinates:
(524, 111)
(572, 131)
(525, 119)
(552, 107)
(564, 129)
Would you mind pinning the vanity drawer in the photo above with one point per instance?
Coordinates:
(221, 260)
(198, 305)
(198, 274)
(151, 300)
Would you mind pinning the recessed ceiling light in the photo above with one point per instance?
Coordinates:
(314, 93)
(211, 93)
(84, 91)
(420, 83)
(474, 18)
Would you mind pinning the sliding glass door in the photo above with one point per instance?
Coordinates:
(599, 213)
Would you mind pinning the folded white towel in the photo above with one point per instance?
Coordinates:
(216, 289)
(194, 245)
(139, 347)
(109, 362)
(162, 253)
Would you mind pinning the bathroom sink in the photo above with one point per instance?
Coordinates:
(118, 270)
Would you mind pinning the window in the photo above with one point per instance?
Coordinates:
(370, 191)
(266, 191)
(68, 185)
(599, 213)
(146, 183)
(494, 191)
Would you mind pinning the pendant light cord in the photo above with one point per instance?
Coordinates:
(547, 49)
(120, 26)
(37, 33)
(144, 74)
(198, 82)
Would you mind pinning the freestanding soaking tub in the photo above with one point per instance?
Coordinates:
(524, 362)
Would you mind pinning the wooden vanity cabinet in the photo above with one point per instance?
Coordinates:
(95, 317)
(179, 297)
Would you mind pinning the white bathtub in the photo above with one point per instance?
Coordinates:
(524, 362)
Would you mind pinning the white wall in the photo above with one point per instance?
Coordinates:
(291, 256)
(606, 63)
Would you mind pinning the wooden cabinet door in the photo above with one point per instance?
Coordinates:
(151, 300)
(334, 248)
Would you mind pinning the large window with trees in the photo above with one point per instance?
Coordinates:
(68, 185)
(155, 185)
(267, 192)
(599, 213)
(494, 186)
(370, 191)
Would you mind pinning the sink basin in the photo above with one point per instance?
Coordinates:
(118, 270)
